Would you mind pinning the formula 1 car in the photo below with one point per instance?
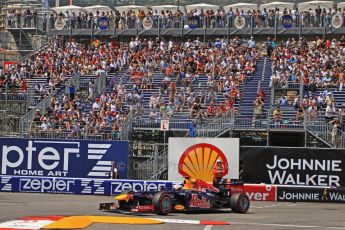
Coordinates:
(194, 195)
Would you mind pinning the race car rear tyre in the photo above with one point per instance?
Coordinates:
(122, 203)
(162, 203)
(239, 203)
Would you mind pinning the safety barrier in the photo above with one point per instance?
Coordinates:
(77, 186)
(80, 186)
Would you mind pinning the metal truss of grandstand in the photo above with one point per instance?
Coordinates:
(178, 29)
(26, 34)
(8, 123)
(44, 26)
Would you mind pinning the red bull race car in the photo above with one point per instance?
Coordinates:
(193, 195)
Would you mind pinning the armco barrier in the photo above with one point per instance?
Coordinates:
(80, 186)
(261, 192)
(77, 185)
(310, 194)
(62, 158)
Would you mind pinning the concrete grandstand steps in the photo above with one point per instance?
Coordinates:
(22, 41)
(259, 79)
(339, 96)
(181, 119)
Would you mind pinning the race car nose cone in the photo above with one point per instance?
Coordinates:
(123, 197)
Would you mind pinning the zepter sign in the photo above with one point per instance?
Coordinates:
(196, 157)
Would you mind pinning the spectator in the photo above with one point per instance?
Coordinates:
(312, 112)
(299, 115)
(335, 124)
(45, 127)
(258, 109)
(221, 110)
(113, 174)
(277, 116)
(211, 110)
(91, 89)
(71, 91)
(163, 110)
(342, 116)
(283, 101)
(269, 47)
(329, 98)
(330, 112)
(192, 131)
(251, 43)
(170, 110)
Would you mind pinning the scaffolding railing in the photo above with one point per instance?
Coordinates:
(26, 121)
(220, 124)
(127, 127)
(332, 135)
(100, 84)
(75, 81)
(78, 132)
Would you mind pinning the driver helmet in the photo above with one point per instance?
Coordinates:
(177, 187)
(219, 161)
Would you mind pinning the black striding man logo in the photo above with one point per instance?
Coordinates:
(325, 194)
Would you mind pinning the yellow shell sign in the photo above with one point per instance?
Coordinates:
(198, 160)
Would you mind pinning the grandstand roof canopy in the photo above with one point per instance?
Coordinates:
(95, 8)
(280, 5)
(341, 5)
(18, 7)
(70, 9)
(129, 7)
(305, 6)
(200, 6)
(241, 6)
(172, 8)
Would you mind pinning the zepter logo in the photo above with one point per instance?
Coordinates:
(198, 160)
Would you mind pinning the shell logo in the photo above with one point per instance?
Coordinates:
(198, 160)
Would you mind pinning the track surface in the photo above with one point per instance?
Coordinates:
(262, 215)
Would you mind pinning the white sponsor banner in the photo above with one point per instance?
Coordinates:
(337, 21)
(147, 23)
(60, 23)
(196, 157)
(240, 22)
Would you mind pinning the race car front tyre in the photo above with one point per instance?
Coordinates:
(162, 203)
(239, 203)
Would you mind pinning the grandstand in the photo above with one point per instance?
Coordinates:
(214, 80)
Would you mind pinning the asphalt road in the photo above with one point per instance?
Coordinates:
(262, 215)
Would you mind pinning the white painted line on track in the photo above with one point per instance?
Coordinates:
(177, 221)
(287, 225)
(208, 227)
(200, 222)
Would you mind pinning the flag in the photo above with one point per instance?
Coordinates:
(57, 3)
(70, 2)
(45, 4)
